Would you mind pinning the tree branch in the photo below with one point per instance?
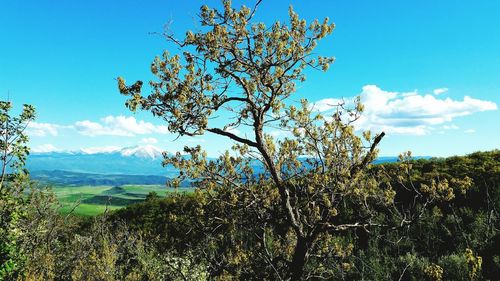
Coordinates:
(356, 168)
(226, 100)
(232, 136)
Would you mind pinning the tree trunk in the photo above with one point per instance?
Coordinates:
(296, 268)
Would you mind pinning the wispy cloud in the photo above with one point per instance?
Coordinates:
(118, 126)
(107, 126)
(469, 131)
(44, 148)
(440, 91)
(101, 149)
(42, 129)
(411, 113)
(450, 127)
(149, 141)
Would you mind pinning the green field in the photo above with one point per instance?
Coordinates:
(93, 200)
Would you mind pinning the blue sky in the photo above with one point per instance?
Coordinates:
(428, 71)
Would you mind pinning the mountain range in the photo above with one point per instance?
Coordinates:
(137, 160)
(130, 165)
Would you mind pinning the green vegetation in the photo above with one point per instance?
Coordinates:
(94, 200)
(319, 211)
(206, 235)
(13, 181)
(191, 236)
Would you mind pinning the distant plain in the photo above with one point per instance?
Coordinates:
(87, 200)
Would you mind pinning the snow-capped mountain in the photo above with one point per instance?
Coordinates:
(141, 151)
(136, 160)
(147, 151)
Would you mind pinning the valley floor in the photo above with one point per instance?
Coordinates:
(89, 200)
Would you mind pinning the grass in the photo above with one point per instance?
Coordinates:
(93, 200)
(88, 210)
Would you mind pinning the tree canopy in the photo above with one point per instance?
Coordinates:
(316, 182)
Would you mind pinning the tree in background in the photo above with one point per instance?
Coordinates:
(316, 181)
(13, 142)
(13, 152)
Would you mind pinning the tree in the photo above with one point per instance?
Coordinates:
(317, 179)
(13, 142)
(13, 152)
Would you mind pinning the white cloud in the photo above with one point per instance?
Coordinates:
(470, 131)
(412, 113)
(42, 129)
(44, 148)
(118, 126)
(439, 91)
(87, 127)
(101, 149)
(326, 104)
(149, 141)
(450, 127)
